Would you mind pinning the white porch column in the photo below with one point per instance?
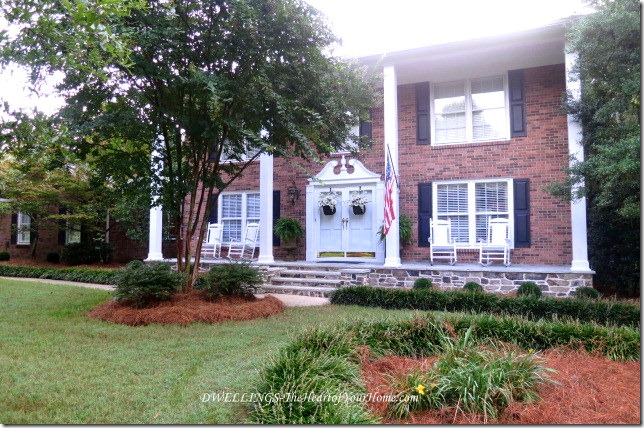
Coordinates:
(266, 204)
(155, 241)
(390, 89)
(576, 152)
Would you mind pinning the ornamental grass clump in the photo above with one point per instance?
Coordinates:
(140, 285)
(474, 378)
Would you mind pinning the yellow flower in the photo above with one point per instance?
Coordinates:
(530, 351)
(420, 389)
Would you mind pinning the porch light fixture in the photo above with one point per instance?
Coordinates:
(293, 193)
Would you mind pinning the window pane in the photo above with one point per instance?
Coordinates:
(232, 230)
(231, 206)
(488, 93)
(450, 127)
(449, 111)
(491, 202)
(24, 229)
(492, 197)
(460, 227)
(252, 205)
(452, 198)
(488, 124)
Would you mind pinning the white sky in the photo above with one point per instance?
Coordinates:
(375, 26)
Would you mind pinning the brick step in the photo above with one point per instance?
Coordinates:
(308, 281)
(299, 290)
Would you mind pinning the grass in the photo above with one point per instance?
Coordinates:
(58, 366)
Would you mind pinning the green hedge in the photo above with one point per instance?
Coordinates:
(95, 276)
(326, 361)
(585, 310)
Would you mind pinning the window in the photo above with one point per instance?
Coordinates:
(470, 110)
(73, 233)
(469, 205)
(23, 235)
(237, 209)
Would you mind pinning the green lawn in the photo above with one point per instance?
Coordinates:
(57, 366)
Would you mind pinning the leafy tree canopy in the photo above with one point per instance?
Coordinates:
(609, 68)
(209, 80)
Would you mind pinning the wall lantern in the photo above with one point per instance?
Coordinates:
(293, 193)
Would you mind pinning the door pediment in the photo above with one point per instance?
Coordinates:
(358, 173)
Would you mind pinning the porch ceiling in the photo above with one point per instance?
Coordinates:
(479, 57)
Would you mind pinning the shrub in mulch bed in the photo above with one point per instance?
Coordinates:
(185, 308)
(587, 389)
(584, 310)
(96, 276)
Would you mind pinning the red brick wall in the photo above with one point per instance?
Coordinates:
(539, 157)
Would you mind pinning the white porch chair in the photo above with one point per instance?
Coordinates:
(211, 246)
(246, 248)
(441, 243)
(497, 246)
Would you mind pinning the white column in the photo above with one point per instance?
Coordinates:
(576, 152)
(155, 241)
(390, 87)
(266, 205)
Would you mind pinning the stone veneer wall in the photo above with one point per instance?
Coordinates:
(551, 284)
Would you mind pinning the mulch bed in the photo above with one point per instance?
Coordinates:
(193, 306)
(589, 390)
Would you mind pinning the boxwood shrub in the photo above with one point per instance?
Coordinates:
(585, 310)
(139, 284)
(95, 276)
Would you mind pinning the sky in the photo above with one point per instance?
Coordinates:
(369, 27)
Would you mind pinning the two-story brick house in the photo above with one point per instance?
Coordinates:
(475, 130)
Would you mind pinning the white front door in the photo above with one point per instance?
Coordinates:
(348, 234)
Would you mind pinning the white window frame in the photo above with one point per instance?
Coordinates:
(244, 209)
(23, 237)
(469, 131)
(471, 207)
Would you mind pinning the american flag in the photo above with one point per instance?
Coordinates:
(389, 201)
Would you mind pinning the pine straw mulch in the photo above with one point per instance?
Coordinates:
(591, 389)
(193, 306)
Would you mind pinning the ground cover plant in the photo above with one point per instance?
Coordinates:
(418, 337)
(91, 275)
(605, 312)
(58, 366)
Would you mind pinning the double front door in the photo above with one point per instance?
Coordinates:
(348, 233)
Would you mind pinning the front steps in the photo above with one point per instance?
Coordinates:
(314, 281)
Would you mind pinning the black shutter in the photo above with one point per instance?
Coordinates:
(214, 214)
(521, 213)
(62, 228)
(14, 228)
(276, 215)
(33, 232)
(424, 213)
(422, 113)
(517, 104)
(365, 127)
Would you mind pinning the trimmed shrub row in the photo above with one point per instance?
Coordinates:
(325, 361)
(96, 276)
(585, 310)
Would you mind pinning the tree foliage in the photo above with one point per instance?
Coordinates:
(608, 43)
(209, 81)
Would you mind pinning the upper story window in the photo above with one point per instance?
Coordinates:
(23, 235)
(237, 210)
(470, 110)
(470, 205)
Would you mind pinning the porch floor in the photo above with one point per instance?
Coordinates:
(441, 267)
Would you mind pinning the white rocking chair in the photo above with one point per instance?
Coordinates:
(442, 245)
(212, 244)
(247, 245)
(497, 246)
